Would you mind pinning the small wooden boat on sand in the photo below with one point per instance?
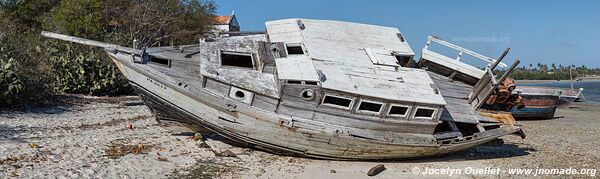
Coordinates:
(537, 106)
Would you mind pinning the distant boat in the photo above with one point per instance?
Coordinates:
(567, 95)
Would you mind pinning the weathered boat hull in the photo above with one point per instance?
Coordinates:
(271, 132)
(537, 106)
(534, 112)
(567, 95)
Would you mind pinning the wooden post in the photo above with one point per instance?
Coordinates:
(495, 64)
(91, 42)
(505, 75)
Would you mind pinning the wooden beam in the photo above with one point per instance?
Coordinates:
(500, 59)
(505, 75)
(90, 42)
(467, 51)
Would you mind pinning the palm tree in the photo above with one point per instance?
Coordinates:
(530, 66)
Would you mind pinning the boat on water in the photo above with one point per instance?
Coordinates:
(315, 88)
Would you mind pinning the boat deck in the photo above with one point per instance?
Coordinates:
(456, 95)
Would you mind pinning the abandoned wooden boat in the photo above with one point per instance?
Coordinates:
(537, 106)
(315, 88)
(567, 95)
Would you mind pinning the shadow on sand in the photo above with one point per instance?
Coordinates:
(8, 133)
(482, 152)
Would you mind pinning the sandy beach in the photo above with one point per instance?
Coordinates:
(91, 137)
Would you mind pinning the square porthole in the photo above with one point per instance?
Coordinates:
(425, 113)
(236, 59)
(398, 110)
(294, 49)
(337, 102)
(369, 107)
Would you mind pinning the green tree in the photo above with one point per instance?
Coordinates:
(80, 18)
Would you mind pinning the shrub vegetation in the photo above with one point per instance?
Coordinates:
(34, 68)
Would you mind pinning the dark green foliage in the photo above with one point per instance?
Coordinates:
(10, 84)
(18, 41)
(41, 67)
(80, 18)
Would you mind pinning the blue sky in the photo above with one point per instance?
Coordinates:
(561, 32)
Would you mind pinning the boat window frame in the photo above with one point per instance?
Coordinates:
(358, 110)
(352, 101)
(294, 45)
(294, 82)
(250, 54)
(408, 110)
(153, 60)
(302, 82)
(433, 115)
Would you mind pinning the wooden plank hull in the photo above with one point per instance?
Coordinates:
(567, 95)
(540, 100)
(282, 134)
(537, 106)
(534, 112)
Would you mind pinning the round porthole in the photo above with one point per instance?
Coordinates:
(308, 94)
(240, 94)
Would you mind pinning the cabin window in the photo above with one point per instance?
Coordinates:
(369, 107)
(294, 49)
(294, 82)
(243, 60)
(398, 110)
(403, 60)
(424, 113)
(311, 83)
(160, 61)
(337, 101)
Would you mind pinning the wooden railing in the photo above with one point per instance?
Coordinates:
(462, 51)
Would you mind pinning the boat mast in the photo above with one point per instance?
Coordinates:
(571, 76)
